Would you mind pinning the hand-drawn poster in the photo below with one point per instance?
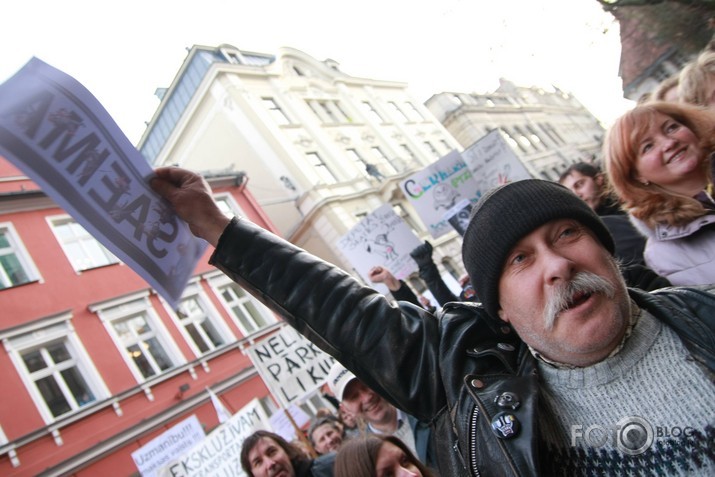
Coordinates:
(290, 365)
(492, 162)
(381, 238)
(168, 445)
(437, 188)
(61, 137)
(219, 454)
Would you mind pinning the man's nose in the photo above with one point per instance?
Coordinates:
(557, 267)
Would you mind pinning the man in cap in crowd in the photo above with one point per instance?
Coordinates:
(381, 417)
(558, 348)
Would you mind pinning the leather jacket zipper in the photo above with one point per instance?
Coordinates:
(473, 442)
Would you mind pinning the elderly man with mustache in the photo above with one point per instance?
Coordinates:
(561, 370)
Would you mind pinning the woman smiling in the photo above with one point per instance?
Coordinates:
(659, 163)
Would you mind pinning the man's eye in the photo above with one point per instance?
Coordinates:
(569, 232)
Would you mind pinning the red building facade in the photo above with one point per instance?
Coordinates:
(95, 363)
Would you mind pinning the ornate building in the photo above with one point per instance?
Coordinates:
(322, 148)
(547, 130)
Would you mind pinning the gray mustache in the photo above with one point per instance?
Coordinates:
(582, 283)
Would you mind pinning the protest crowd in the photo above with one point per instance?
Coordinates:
(592, 308)
(581, 336)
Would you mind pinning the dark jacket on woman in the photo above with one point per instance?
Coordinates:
(445, 371)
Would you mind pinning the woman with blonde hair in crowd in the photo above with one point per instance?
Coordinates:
(378, 456)
(696, 82)
(658, 159)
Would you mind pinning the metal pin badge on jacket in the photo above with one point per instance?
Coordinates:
(505, 425)
(507, 400)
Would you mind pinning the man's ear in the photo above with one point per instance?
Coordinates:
(503, 316)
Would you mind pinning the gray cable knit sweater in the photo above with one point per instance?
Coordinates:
(588, 431)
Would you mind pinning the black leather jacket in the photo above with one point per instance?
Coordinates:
(448, 371)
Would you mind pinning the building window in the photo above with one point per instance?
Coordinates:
(55, 367)
(523, 140)
(16, 266)
(371, 112)
(228, 205)
(435, 153)
(401, 116)
(408, 152)
(360, 163)
(83, 251)
(512, 142)
(383, 160)
(140, 335)
(275, 111)
(414, 112)
(552, 133)
(55, 373)
(201, 322)
(320, 170)
(446, 145)
(535, 139)
(328, 111)
(249, 314)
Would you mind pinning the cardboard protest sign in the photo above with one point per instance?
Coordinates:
(381, 238)
(437, 188)
(492, 161)
(290, 365)
(220, 452)
(169, 445)
(61, 137)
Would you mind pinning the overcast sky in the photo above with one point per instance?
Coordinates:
(123, 51)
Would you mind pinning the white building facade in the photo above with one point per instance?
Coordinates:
(548, 130)
(307, 135)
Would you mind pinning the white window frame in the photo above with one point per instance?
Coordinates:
(17, 248)
(319, 168)
(219, 280)
(371, 112)
(382, 159)
(193, 290)
(228, 205)
(40, 334)
(275, 110)
(78, 266)
(124, 307)
(399, 114)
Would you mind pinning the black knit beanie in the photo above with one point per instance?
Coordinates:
(505, 215)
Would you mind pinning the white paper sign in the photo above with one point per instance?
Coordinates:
(220, 452)
(282, 425)
(438, 188)
(172, 443)
(381, 238)
(492, 161)
(290, 365)
(58, 134)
